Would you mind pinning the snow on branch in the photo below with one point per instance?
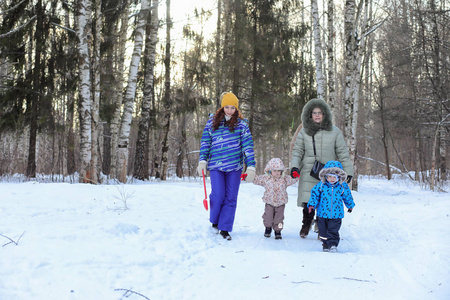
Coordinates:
(18, 28)
(11, 241)
(375, 27)
(63, 27)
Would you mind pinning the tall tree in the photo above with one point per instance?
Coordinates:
(130, 93)
(84, 33)
(320, 78)
(167, 98)
(141, 170)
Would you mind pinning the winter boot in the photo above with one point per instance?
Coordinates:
(215, 228)
(225, 235)
(268, 232)
(333, 249)
(325, 248)
(307, 222)
(278, 235)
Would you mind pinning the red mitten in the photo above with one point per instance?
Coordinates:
(295, 174)
(243, 176)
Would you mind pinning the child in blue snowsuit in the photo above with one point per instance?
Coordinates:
(328, 197)
(225, 146)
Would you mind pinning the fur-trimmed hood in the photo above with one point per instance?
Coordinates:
(309, 125)
(333, 167)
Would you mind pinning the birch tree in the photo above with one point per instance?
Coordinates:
(118, 93)
(167, 100)
(84, 34)
(148, 104)
(331, 61)
(320, 78)
(96, 89)
(130, 93)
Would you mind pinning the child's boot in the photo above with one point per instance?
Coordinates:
(325, 248)
(268, 232)
(307, 222)
(333, 249)
(278, 235)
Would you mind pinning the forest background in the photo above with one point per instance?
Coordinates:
(118, 89)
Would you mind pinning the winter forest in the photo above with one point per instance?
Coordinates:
(121, 89)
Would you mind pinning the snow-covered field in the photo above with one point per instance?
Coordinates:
(153, 241)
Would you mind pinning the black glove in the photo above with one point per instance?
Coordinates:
(349, 178)
(350, 210)
(294, 170)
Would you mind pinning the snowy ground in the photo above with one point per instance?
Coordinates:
(78, 241)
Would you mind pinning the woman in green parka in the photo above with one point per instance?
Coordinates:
(330, 145)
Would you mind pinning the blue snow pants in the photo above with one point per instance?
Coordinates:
(223, 198)
(329, 231)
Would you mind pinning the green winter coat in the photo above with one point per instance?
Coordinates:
(330, 145)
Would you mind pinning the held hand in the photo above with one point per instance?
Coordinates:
(350, 210)
(295, 171)
(349, 178)
(243, 176)
(310, 209)
(201, 167)
(251, 172)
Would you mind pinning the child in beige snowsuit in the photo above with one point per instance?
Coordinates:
(275, 196)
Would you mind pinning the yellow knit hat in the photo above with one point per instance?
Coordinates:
(229, 99)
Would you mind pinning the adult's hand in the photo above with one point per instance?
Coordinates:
(201, 167)
(295, 172)
(251, 172)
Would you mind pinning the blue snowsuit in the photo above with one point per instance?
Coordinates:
(329, 200)
(226, 151)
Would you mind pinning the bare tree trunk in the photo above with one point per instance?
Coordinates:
(128, 102)
(237, 46)
(331, 61)
(167, 100)
(141, 169)
(95, 109)
(219, 85)
(84, 34)
(384, 136)
(118, 93)
(35, 99)
(320, 78)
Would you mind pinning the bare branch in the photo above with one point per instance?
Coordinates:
(12, 8)
(11, 241)
(18, 28)
(65, 28)
(128, 292)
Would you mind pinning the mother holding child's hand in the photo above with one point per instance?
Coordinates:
(225, 145)
(318, 140)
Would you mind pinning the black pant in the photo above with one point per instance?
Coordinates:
(329, 231)
(307, 217)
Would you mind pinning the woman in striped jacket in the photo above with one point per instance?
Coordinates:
(226, 145)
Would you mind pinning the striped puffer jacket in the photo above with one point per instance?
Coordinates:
(224, 150)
